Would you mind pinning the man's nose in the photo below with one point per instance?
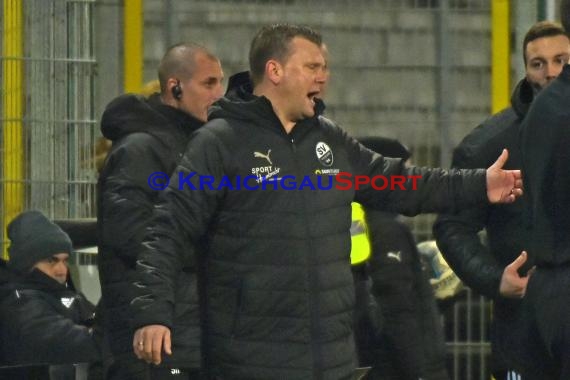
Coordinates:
(322, 76)
(61, 268)
(552, 70)
(219, 92)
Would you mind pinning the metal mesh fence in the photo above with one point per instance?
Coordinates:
(48, 126)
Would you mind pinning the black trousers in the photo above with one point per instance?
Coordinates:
(543, 352)
(507, 327)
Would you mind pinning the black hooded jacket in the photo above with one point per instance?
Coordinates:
(410, 344)
(481, 265)
(43, 321)
(279, 286)
(148, 137)
(546, 159)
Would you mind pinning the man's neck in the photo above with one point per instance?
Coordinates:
(168, 101)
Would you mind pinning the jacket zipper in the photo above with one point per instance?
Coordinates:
(313, 302)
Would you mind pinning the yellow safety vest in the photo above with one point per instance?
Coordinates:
(360, 251)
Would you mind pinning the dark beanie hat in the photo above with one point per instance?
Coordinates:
(33, 238)
(386, 146)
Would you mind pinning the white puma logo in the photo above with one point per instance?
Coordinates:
(266, 156)
(395, 255)
(67, 301)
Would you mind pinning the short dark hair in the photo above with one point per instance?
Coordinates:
(272, 42)
(179, 61)
(542, 29)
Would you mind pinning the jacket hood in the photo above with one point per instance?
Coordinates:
(240, 86)
(131, 113)
(522, 97)
(239, 102)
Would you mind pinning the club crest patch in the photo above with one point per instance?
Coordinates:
(324, 154)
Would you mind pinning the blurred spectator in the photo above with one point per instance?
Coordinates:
(409, 343)
(102, 147)
(45, 324)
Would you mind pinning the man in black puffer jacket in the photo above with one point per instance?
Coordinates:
(268, 183)
(45, 325)
(544, 145)
(482, 266)
(149, 136)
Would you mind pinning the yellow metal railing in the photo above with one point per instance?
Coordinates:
(501, 55)
(12, 112)
(133, 48)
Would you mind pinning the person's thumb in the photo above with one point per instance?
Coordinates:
(519, 261)
(501, 160)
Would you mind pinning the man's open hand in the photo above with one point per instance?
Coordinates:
(503, 186)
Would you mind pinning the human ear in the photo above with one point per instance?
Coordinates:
(273, 71)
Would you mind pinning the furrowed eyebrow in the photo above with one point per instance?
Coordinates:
(210, 80)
